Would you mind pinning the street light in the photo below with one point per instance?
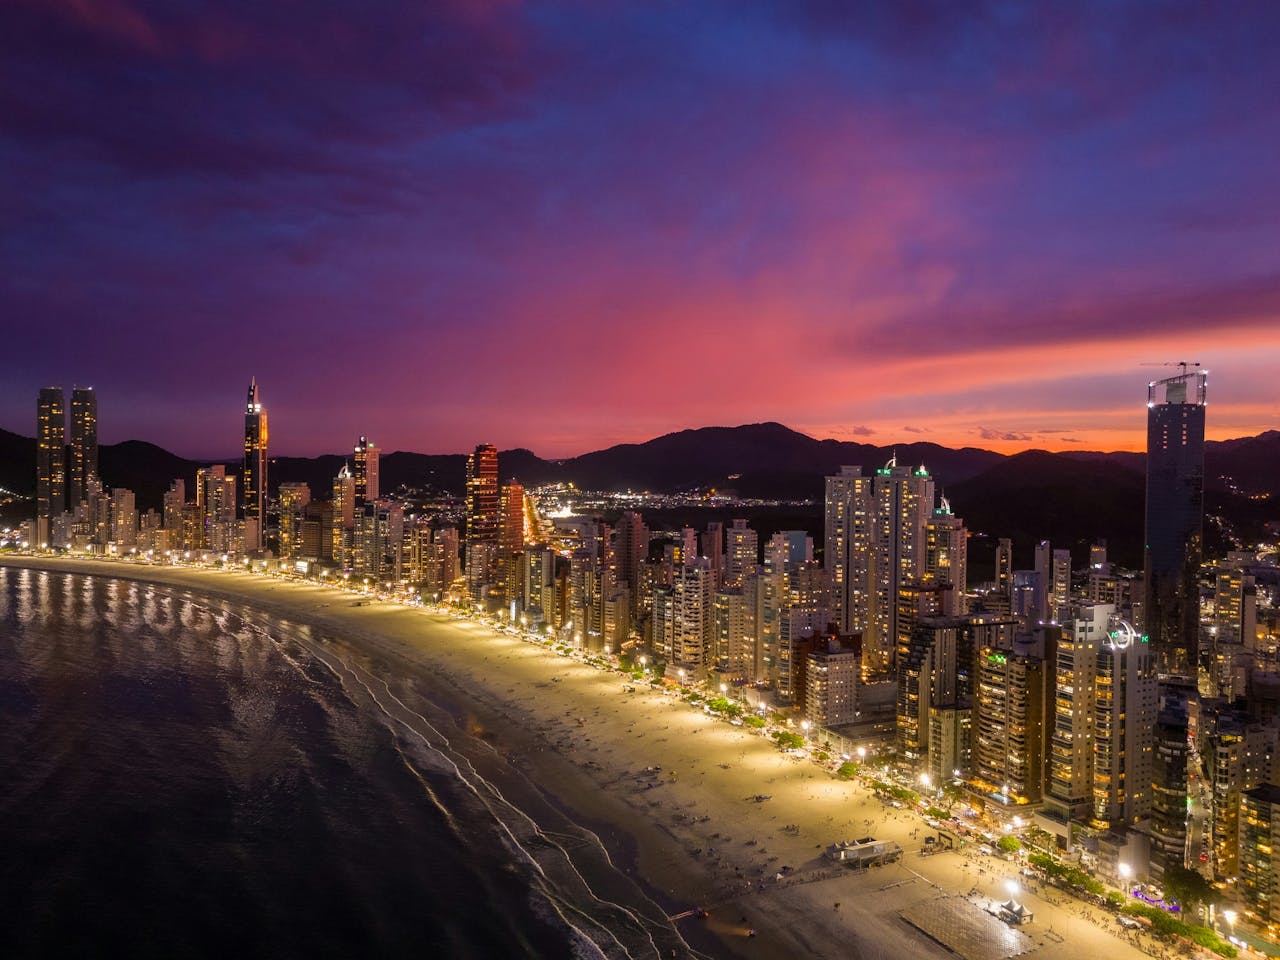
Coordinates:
(862, 753)
(723, 689)
(1125, 870)
(926, 781)
(804, 725)
(1011, 885)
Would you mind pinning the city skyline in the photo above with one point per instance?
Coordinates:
(561, 479)
(970, 227)
(1056, 702)
(333, 446)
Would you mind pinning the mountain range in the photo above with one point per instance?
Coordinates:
(1070, 497)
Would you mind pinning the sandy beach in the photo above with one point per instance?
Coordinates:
(669, 790)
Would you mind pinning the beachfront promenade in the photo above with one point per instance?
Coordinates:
(684, 787)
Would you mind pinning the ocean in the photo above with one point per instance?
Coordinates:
(189, 777)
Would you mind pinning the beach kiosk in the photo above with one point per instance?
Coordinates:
(1015, 913)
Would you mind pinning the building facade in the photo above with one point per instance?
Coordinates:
(254, 477)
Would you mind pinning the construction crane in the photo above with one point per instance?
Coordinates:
(1172, 363)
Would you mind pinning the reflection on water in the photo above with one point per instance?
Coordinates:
(176, 780)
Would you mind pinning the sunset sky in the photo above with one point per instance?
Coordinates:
(567, 225)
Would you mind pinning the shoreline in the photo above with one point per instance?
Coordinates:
(690, 835)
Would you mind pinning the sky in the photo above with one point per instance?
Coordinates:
(567, 225)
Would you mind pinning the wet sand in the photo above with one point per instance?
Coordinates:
(668, 789)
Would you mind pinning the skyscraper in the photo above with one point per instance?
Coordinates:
(742, 554)
(84, 444)
(1125, 704)
(876, 546)
(51, 461)
(511, 518)
(482, 495)
(947, 558)
(632, 550)
(1175, 519)
(1001, 600)
(255, 467)
(366, 475)
(216, 499)
(1009, 724)
(344, 496)
(850, 512)
(294, 498)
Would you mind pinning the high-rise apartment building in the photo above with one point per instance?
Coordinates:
(445, 561)
(83, 449)
(377, 542)
(483, 505)
(366, 459)
(1259, 841)
(1170, 769)
(51, 461)
(255, 467)
(631, 548)
(832, 677)
(1234, 633)
(689, 638)
(947, 558)
(936, 680)
(1237, 758)
(344, 515)
(1009, 725)
(1058, 586)
(539, 591)
(1069, 792)
(849, 529)
(294, 498)
(216, 497)
(713, 548)
(1175, 519)
(1001, 601)
(742, 553)
(175, 498)
(1124, 715)
(735, 632)
(511, 517)
(123, 520)
(876, 544)
(1054, 569)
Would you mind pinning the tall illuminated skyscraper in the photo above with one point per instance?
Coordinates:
(84, 445)
(850, 521)
(947, 558)
(366, 475)
(876, 546)
(51, 461)
(255, 467)
(742, 553)
(482, 495)
(1175, 519)
(294, 497)
(511, 517)
(344, 496)
(511, 514)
